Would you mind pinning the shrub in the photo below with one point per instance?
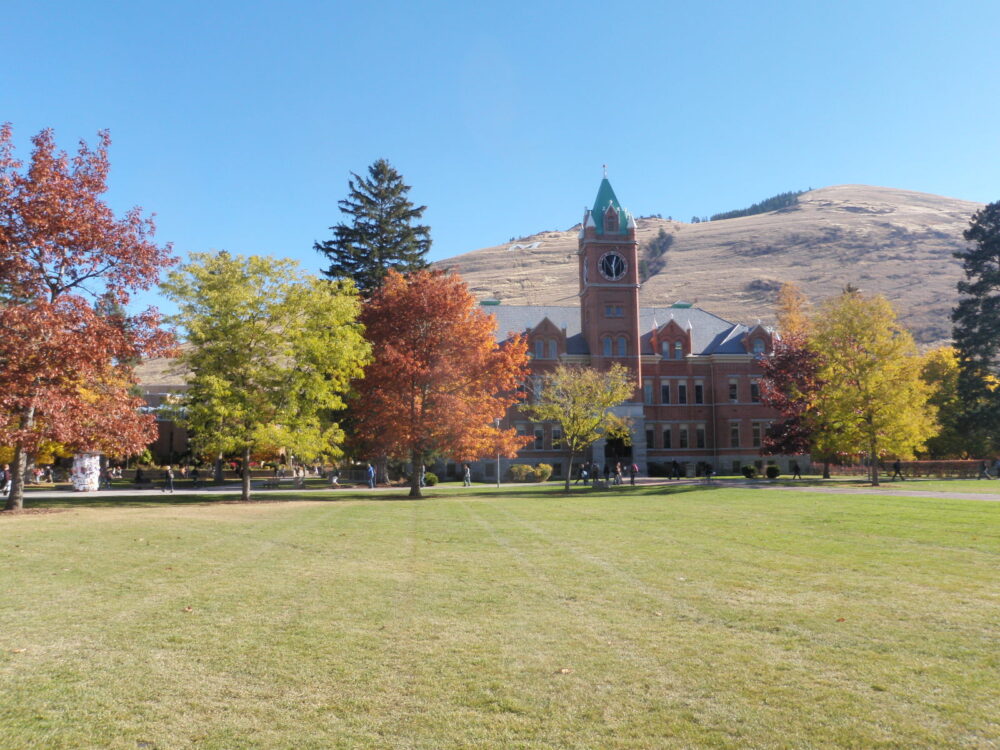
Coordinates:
(528, 473)
(749, 471)
(430, 478)
(520, 472)
(773, 472)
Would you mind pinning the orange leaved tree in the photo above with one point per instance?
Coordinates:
(439, 379)
(67, 269)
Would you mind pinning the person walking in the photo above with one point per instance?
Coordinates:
(618, 473)
(168, 479)
(796, 472)
(896, 466)
(423, 475)
(5, 480)
(467, 476)
(194, 476)
(371, 477)
(984, 472)
(675, 470)
(632, 471)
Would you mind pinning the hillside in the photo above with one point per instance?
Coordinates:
(894, 242)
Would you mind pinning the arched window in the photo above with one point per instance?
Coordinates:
(611, 220)
(553, 349)
(622, 345)
(539, 348)
(678, 350)
(758, 346)
(606, 346)
(665, 349)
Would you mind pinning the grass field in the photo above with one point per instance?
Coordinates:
(650, 618)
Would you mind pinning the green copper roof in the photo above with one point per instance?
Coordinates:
(605, 197)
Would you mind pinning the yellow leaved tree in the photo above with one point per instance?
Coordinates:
(872, 397)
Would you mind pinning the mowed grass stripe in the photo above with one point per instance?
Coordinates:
(865, 610)
(444, 623)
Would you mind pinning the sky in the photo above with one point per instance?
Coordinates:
(239, 123)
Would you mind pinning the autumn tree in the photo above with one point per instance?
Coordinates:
(872, 398)
(66, 372)
(438, 379)
(940, 371)
(793, 312)
(581, 400)
(272, 351)
(381, 234)
(791, 383)
(977, 327)
(790, 386)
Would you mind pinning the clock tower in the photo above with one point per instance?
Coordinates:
(609, 284)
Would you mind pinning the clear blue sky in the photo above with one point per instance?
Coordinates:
(238, 123)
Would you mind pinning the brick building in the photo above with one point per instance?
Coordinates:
(697, 395)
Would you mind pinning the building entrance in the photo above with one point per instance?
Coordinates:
(615, 450)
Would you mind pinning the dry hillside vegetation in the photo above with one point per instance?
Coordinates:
(893, 242)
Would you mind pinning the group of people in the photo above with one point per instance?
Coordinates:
(612, 475)
(984, 471)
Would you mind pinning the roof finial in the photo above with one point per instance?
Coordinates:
(605, 167)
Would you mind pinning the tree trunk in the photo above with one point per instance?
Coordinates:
(569, 473)
(417, 461)
(826, 468)
(15, 500)
(873, 448)
(218, 477)
(245, 479)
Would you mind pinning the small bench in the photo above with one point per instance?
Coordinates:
(273, 483)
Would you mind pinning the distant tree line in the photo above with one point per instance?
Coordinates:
(654, 254)
(781, 200)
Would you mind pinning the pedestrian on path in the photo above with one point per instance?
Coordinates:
(896, 472)
(796, 472)
(467, 476)
(371, 477)
(168, 479)
(632, 471)
(984, 472)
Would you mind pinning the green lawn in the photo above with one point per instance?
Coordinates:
(649, 618)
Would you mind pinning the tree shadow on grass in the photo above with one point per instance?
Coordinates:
(156, 499)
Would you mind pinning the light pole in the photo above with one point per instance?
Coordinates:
(498, 452)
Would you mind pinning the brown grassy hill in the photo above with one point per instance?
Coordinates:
(893, 242)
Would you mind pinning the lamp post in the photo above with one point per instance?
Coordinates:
(498, 453)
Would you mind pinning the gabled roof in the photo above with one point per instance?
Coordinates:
(710, 334)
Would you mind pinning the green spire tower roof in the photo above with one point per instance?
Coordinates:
(606, 197)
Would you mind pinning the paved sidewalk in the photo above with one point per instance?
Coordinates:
(890, 489)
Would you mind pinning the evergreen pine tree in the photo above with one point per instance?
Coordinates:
(381, 233)
(977, 327)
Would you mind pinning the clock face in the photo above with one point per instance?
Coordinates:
(612, 265)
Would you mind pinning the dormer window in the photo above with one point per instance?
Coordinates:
(539, 348)
(758, 346)
(553, 349)
(678, 350)
(611, 219)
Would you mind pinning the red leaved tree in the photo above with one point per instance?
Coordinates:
(790, 386)
(439, 379)
(67, 268)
